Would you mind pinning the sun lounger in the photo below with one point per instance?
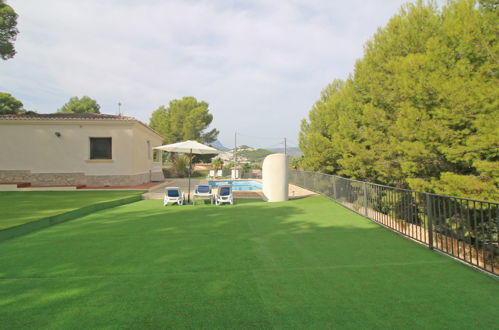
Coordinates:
(219, 174)
(211, 174)
(173, 195)
(203, 191)
(224, 195)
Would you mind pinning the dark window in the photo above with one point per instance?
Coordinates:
(101, 148)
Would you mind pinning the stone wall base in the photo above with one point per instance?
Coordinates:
(71, 179)
(157, 176)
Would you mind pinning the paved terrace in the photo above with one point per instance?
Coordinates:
(157, 192)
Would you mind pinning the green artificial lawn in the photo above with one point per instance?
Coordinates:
(307, 263)
(17, 208)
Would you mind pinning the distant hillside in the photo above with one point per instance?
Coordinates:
(292, 151)
(218, 145)
(253, 155)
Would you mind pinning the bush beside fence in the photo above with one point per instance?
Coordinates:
(462, 228)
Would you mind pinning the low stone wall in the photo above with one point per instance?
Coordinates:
(71, 179)
(157, 176)
(14, 176)
(66, 179)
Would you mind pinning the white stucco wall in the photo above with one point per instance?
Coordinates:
(33, 146)
(143, 157)
(143, 160)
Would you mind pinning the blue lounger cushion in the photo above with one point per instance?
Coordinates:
(173, 193)
(224, 191)
(203, 189)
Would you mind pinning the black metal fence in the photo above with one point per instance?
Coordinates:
(462, 228)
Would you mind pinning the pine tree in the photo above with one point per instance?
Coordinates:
(421, 109)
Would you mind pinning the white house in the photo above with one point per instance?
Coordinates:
(78, 149)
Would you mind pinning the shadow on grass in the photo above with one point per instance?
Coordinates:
(304, 263)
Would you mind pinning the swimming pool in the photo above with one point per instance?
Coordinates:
(239, 185)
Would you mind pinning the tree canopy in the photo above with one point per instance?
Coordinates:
(83, 105)
(421, 109)
(185, 119)
(8, 30)
(9, 105)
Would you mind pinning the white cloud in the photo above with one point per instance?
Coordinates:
(260, 64)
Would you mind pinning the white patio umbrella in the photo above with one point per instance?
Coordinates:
(191, 147)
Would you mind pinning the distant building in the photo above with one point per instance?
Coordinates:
(78, 149)
(228, 155)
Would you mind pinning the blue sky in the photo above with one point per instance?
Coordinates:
(259, 64)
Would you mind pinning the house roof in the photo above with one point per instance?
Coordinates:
(66, 116)
(75, 116)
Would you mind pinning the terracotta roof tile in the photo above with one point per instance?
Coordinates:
(74, 116)
(66, 116)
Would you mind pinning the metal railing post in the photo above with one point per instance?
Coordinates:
(365, 200)
(334, 188)
(429, 215)
(451, 224)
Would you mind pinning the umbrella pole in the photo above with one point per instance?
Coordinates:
(190, 165)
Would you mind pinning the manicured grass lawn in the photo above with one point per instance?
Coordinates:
(306, 263)
(17, 208)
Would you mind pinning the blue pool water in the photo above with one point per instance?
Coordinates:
(238, 185)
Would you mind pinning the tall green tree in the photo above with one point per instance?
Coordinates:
(184, 119)
(8, 30)
(80, 105)
(217, 163)
(421, 110)
(9, 105)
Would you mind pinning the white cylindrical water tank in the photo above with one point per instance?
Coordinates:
(275, 178)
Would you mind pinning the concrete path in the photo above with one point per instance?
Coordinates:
(299, 192)
(158, 191)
